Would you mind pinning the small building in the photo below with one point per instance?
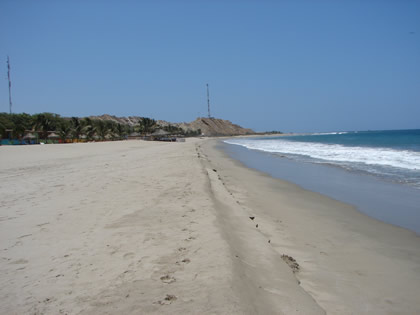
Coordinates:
(30, 138)
(162, 135)
(134, 136)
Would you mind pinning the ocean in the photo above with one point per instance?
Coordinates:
(393, 155)
(376, 171)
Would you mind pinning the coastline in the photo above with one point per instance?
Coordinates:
(163, 228)
(387, 201)
(350, 262)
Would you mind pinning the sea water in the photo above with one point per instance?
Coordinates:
(377, 171)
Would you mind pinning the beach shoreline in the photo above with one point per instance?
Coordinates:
(371, 265)
(391, 202)
(163, 228)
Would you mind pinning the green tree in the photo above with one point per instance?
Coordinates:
(120, 131)
(174, 129)
(17, 123)
(102, 129)
(64, 130)
(112, 128)
(89, 128)
(77, 127)
(21, 122)
(5, 124)
(147, 125)
(45, 122)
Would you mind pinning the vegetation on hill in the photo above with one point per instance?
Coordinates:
(16, 126)
(107, 127)
(208, 126)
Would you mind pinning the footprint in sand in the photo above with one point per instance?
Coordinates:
(184, 261)
(19, 261)
(167, 300)
(128, 256)
(167, 279)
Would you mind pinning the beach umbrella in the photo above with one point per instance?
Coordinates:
(29, 136)
(53, 135)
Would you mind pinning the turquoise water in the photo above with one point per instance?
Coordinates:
(392, 139)
(392, 155)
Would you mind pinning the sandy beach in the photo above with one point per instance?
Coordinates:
(135, 227)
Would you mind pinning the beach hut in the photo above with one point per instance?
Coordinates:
(53, 137)
(134, 136)
(158, 135)
(30, 138)
(162, 135)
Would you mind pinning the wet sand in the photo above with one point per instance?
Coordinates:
(178, 228)
(349, 263)
(390, 202)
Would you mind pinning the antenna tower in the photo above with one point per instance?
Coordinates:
(10, 85)
(208, 100)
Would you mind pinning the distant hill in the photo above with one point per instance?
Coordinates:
(216, 127)
(208, 126)
(130, 120)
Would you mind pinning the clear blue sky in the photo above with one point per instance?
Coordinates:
(271, 65)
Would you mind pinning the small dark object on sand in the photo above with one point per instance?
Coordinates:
(252, 218)
(214, 170)
(291, 262)
(167, 300)
(256, 226)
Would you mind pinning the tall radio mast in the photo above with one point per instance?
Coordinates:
(208, 100)
(10, 85)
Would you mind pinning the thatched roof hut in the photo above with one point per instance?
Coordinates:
(53, 135)
(134, 135)
(29, 136)
(160, 132)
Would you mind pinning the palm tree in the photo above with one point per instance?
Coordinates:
(112, 128)
(20, 123)
(64, 131)
(43, 124)
(147, 125)
(5, 124)
(102, 129)
(89, 128)
(121, 131)
(77, 127)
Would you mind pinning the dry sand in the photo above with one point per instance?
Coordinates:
(144, 227)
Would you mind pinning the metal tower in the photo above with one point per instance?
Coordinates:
(208, 100)
(10, 85)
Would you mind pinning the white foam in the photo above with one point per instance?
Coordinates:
(336, 153)
(329, 133)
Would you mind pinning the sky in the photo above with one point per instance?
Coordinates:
(292, 66)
